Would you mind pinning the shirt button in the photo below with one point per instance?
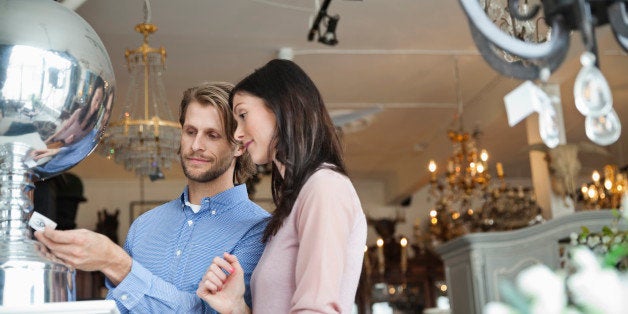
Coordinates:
(178, 252)
(190, 222)
(124, 297)
(213, 212)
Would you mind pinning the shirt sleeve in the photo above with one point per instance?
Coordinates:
(325, 216)
(143, 292)
(249, 250)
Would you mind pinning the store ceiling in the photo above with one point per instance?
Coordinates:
(397, 55)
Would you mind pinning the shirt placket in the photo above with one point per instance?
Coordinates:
(180, 256)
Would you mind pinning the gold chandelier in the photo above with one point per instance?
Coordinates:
(606, 191)
(145, 139)
(466, 201)
(464, 198)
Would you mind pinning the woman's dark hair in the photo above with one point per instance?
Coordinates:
(93, 118)
(305, 138)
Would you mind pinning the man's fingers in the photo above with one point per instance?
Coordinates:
(58, 236)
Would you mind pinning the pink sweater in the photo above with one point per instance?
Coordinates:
(313, 263)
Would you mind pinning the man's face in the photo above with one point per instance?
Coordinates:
(206, 154)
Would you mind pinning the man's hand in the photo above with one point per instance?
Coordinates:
(87, 250)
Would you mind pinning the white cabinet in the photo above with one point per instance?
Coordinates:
(476, 263)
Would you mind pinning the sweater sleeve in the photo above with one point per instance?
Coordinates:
(326, 210)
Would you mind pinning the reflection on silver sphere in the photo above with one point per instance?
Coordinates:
(56, 84)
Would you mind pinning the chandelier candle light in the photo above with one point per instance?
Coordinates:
(380, 256)
(146, 138)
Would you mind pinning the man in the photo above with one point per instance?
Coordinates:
(168, 249)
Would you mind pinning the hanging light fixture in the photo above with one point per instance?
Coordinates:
(145, 139)
(329, 36)
(514, 54)
(464, 198)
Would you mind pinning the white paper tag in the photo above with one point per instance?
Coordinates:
(39, 221)
(520, 102)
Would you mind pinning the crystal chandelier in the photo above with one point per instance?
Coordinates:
(145, 138)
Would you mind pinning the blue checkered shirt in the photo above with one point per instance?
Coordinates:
(172, 247)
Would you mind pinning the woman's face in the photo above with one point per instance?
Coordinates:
(96, 100)
(256, 126)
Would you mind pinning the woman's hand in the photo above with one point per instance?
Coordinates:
(42, 153)
(222, 286)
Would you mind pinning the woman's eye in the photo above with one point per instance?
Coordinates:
(242, 115)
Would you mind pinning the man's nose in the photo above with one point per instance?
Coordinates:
(197, 144)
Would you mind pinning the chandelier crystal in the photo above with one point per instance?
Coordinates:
(145, 138)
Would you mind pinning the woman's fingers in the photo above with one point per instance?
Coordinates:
(223, 264)
(214, 279)
(206, 285)
(233, 262)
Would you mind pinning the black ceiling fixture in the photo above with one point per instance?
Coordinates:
(329, 37)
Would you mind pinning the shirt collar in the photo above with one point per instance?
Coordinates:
(221, 201)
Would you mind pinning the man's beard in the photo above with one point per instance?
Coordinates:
(218, 168)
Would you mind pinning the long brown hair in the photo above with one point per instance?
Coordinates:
(305, 138)
(217, 94)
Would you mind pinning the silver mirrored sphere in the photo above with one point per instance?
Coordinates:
(56, 84)
(56, 93)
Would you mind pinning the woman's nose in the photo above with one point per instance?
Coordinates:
(239, 133)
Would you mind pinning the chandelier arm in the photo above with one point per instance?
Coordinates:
(513, 10)
(517, 69)
(587, 29)
(618, 18)
(531, 51)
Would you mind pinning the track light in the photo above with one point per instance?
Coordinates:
(329, 37)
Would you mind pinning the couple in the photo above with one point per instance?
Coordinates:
(313, 242)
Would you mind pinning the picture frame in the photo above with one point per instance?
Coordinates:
(136, 208)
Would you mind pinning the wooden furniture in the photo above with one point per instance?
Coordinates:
(476, 263)
(406, 293)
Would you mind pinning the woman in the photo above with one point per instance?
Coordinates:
(315, 238)
(83, 120)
